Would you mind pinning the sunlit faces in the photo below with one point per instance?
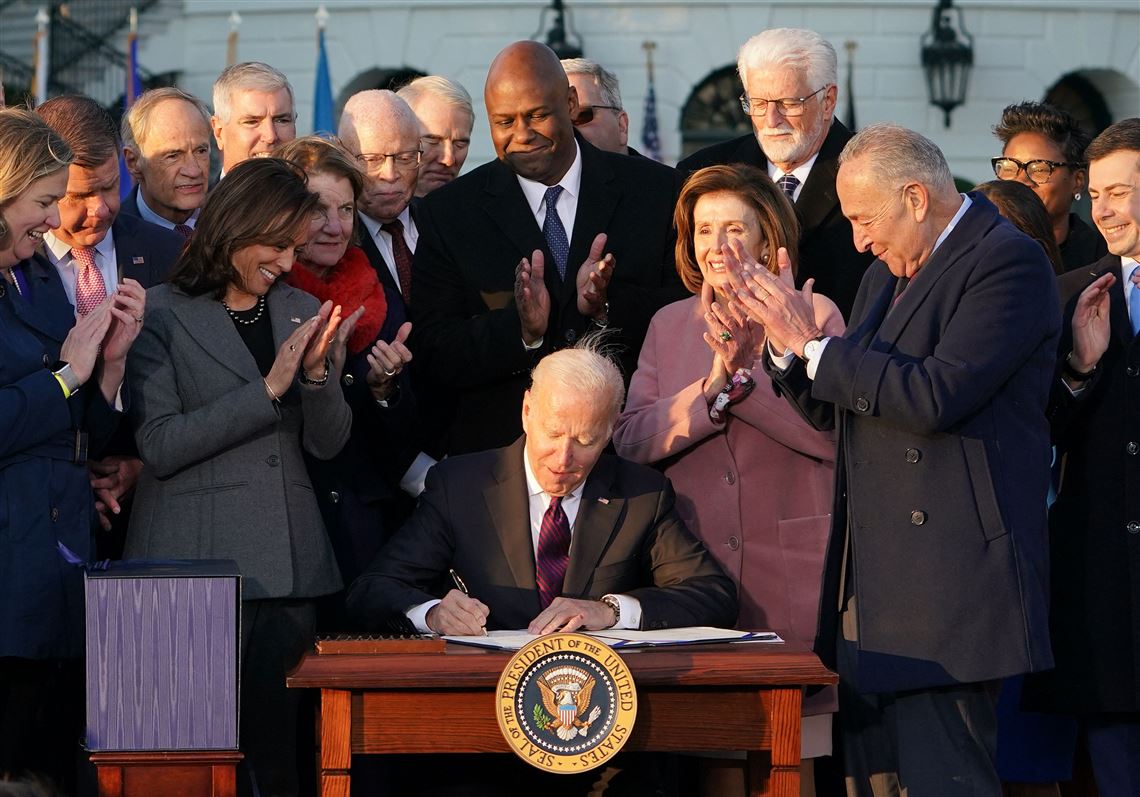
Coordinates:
(327, 244)
(530, 124)
(173, 163)
(258, 266)
(789, 142)
(884, 220)
(566, 432)
(1063, 183)
(388, 186)
(1114, 185)
(609, 128)
(446, 139)
(90, 205)
(30, 215)
(718, 218)
(259, 121)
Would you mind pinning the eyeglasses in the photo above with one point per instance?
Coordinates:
(789, 106)
(1038, 171)
(406, 161)
(586, 113)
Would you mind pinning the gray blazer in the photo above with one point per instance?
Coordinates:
(225, 477)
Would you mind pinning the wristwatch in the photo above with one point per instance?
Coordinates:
(602, 321)
(613, 603)
(812, 347)
(66, 376)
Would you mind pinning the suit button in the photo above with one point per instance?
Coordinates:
(47, 361)
(862, 405)
(272, 460)
(54, 514)
(734, 542)
(730, 478)
(571, 335)
(1133, 527)
(1132, 448)
(3, 290)
(913, 455)
(917, 517)
(1132, 370)
(334, 496)
(348, 380)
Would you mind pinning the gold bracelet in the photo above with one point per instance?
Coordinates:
(272, 394)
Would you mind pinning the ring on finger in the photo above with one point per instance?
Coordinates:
(292, 347)
(389, 372)
(726, 336)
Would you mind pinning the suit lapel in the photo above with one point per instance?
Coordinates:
(597, 522)
(509, 506)
(508, 210)
(40, 311)
(209, 324)
(285, 313)
(132, 259)
(819, 199)
(368, 244)
(597, 199)
(1118, 308)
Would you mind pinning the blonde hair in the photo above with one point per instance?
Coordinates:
(29, 150)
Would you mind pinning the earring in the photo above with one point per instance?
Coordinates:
(1077, 197)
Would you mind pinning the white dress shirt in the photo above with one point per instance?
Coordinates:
(59, 253)
(801, 173)
(567, 205)
(383, 240)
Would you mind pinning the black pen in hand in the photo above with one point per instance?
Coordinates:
(462, 587)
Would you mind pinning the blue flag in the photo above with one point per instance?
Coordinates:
(649, 138)
(323, 122)
(131, 92)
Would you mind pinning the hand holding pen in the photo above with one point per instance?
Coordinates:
(458, 613)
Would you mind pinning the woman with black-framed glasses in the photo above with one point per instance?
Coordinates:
(1043, 147)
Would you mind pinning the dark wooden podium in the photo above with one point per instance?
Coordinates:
(693, 698)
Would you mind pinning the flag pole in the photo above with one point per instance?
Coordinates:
(232, 39)
(42, 56)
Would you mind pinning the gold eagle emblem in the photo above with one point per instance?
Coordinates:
(566, 696)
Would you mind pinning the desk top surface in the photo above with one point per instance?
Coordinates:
(460, 667)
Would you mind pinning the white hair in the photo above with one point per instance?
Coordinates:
(796, 48)
(604, 79)
(444, 89)
(248, 76)
(136, 121)
(375, 108)
(898, 156)
(585, 370)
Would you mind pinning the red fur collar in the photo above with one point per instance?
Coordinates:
(351, 282)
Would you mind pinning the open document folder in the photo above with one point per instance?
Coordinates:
(619, 638)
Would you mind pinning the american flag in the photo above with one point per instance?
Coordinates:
(649, 137)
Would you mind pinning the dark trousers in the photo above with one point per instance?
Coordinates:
(1114, 748)
(275, 634)
(41, 719)
(938, 742)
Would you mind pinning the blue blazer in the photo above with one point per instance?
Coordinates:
(145, 252)
(943, 461)
(45, 496)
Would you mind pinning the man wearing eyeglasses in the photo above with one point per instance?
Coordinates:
(789, 77)
(382, 132)
(601, 118)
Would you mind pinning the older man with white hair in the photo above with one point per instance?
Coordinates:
(790, 91)
(253, 112)
(446, 118)
(936, 581)
(381, 130)
(601, 117)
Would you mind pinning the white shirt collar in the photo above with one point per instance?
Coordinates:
(571, 183)
(61, 252)
(149, 215)
(533, 488)
(801, 172)
(373, 226)
(966, 202)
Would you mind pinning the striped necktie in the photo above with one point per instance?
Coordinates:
(789, 183)
(553, 553)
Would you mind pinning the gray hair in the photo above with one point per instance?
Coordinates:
(603, 78)
(372, 109)
(135, 123)
(798, 48)
(898, 156)
(444, 89)
(248, 76)
(586, 369)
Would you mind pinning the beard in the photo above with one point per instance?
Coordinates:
(794, 147)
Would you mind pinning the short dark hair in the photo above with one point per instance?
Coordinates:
(1124, 135)
(778, 222)
(260, 201)
(1039, 117)
(86, 127)
(1021, 205)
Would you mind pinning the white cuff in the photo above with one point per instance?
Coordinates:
(813, 363)
(418, 616)
(532, 346)
(412, 482)
(781, 361)
(630, 612)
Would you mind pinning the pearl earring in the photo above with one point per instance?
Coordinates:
(1077, 197)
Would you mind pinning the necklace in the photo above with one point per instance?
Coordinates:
(236, 315)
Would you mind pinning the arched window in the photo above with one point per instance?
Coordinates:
(391, 78)
(1076, 94)
(712, 113)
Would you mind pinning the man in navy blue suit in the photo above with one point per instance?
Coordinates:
(936, 579)
(94, 248)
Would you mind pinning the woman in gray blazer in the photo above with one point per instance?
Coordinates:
(231, 383)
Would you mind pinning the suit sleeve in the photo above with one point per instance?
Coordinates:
(32, 410)
(689, 587)
(1006, 309)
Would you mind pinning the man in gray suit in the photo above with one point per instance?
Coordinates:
(504, 519)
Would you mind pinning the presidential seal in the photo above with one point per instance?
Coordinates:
(566, 703)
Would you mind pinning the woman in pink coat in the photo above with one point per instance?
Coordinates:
(754, 481)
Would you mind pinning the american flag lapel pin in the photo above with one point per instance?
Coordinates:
(603, 500)
(138, 260)
(295, 320)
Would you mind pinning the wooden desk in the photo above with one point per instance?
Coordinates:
(715, 697)
(186, 773)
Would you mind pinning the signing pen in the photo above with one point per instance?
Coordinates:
(459, 585)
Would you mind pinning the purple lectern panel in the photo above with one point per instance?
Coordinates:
(162, 656)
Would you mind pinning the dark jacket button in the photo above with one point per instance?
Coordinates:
(348, 380)
(571, 335)
(917, 517)
(54, 514)
(1132, 448)
(913, 455)
(1133, 527)
(334, 496)
(47, 361)
(730, 477)
(1132, 370)
(862, 405)
(272, 460)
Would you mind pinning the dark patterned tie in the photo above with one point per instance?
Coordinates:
(789, 183)
(553, 553)
(185, 230)
(554, 232)
(403, 257)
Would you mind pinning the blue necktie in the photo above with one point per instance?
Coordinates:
(554, 232)
(789, 183)
(1134, 300)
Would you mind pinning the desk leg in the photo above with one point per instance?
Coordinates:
(336, 739)
(783, 708)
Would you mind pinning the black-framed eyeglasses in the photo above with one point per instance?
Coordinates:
(789, 106)
(408, 160)
(1039, 171)
(586, 113)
